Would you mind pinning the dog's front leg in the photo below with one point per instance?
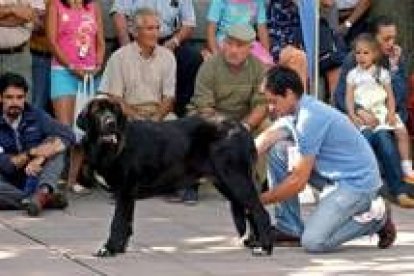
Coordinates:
(121, 228)
(260, 223)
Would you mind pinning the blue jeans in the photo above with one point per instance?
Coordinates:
(385, 148)
(320, 234)
(11, 194)
(41, 77)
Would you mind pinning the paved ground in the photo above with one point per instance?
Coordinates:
(171, 239)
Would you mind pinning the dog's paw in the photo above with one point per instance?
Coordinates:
(262, 251)
(104, 252)
(250, 241)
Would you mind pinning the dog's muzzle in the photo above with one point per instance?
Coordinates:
(108, 128)
(109, 138)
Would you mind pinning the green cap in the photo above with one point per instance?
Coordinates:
(242, 32)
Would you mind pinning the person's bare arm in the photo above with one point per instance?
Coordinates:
(121, 28)
(15, 15)
(212, 44)
(256, 117)
(359, 10)
(100, 41)
(263, 36)
(350, 104)
(48, 148)
(268, 138)
(20, 160)
(166, 106)
(391, 119)
(292, 184)
(51, 33)
(184, 33)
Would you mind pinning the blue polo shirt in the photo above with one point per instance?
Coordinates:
(341, 153)
(173, 13)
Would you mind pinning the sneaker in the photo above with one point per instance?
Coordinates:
(77, 188)
(190, 196)
(388, 232)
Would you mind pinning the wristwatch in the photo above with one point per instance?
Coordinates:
(348, 24)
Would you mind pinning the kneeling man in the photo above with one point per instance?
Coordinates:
(327, 151)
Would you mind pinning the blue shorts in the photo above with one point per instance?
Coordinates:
(64, 83)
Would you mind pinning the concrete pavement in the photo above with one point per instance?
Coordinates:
(172, 239)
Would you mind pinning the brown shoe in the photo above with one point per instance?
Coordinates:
(388, 232)
(282, 239)
(36, 203)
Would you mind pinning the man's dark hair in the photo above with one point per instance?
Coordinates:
(11, 79)
(380, 21)
(280, 78)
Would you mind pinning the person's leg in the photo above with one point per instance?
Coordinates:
(403, 143)
(383, 144)
(41, 77)
(287, 213)
(52, 170)
(188, 62)
(47, 194)
(340, 206)
(10, 196)
(332, 79)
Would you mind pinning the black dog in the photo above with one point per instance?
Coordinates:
(141, 159)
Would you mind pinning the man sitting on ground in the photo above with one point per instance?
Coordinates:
(32, 149)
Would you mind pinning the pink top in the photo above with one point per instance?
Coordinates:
(76, 35)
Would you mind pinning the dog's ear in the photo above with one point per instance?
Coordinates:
(82, 119)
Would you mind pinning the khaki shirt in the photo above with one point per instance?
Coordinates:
(139, 80)
(15, 36)
(232, 94)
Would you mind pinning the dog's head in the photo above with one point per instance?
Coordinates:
(103, 121)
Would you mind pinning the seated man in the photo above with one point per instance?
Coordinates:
(177, 23)
(32, 149)
(383, 142)
(327, 151)
(142, 74)
(228, 84)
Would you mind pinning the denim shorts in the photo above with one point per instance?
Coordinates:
(65, 83)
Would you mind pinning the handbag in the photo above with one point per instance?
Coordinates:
(332, 47)
(86, 91)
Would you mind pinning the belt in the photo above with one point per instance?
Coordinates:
(13, 50)
(40, 53)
